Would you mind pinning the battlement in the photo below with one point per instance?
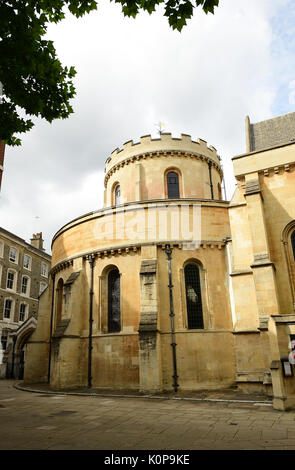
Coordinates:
(163, 143)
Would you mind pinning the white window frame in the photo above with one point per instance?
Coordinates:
(27, 293)
(44, 285)
(1, 249)
(46, 269)
(30, 262)
(11, 313)
(0, 274)
(25, 312)
(16, 255)
(12, 271)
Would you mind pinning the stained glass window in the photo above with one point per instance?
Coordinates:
(193, 297)
(114, 309)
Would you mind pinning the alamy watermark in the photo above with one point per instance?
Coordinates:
(158, 222)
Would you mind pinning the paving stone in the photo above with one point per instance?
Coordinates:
(81, 422)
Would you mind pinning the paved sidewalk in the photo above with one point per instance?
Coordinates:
(54, 421)
(224, 395)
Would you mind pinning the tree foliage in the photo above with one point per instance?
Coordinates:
(33, 82)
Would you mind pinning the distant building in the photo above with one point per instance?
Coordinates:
(24, 270)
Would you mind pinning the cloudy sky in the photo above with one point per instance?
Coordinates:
(135, 73)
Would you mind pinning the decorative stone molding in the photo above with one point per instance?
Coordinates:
(61, 266)
(250, 376)
(276, 170)
(165, 153)
(127, 250)
(241, 272)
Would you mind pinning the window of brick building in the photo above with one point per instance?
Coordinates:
(13, 255)
(22, 312)
(44, 269)
(25, 285)
(27, 262)
(7, 308)
(10, 284)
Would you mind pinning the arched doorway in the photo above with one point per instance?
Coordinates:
(17, 354)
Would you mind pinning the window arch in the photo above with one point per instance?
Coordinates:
(114, 307)
(59, 301)
(172, 180)
(193, 296)
(116, 196)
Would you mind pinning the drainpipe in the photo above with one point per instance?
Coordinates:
(210, 177)
(51, 323)
(13, 353)
(91, 260)
(172, 315)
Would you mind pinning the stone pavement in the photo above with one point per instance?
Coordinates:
(42, 421)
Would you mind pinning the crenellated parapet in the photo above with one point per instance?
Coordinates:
(149, 147)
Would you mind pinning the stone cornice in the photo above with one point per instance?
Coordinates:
(275, 170)
(154, 154)
(134, 248)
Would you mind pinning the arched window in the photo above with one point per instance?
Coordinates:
(114, 309)
(293, 243)
(193, 297)
(117, 195)
(219, 191)
(59, 301)
(172, 185)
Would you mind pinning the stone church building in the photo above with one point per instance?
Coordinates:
(171, 287)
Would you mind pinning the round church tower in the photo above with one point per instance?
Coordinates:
(139, 295)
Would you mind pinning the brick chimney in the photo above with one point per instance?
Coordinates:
(2, 150)
(37, 241)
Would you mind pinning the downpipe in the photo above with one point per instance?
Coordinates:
(91, 259)
(172, 315)
(51, 323)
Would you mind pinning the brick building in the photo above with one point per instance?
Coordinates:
(24, 270)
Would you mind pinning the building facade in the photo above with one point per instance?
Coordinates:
(24, 272)
(168, 285)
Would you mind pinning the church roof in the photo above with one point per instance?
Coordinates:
(272, 132)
